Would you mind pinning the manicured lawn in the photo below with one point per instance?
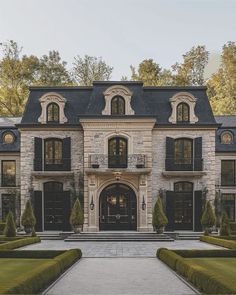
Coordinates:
(12, 268)
(221, 267)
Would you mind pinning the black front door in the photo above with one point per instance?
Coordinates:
(56, 207)
(118, 208)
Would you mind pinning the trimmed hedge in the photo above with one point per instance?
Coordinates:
(2, 226)
(232, 238)
(34, 254)
(219, 242)
(19, 243)
(202, 278)
(44, 275)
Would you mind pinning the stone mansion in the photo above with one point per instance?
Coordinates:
(117, 146)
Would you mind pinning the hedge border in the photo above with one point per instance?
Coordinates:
(19, 243)
(219, 242)
(202, 278)
(42, 276)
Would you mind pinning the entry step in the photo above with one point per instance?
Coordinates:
(119, 237)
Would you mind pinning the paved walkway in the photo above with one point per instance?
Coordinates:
(120, 276)
(118, 249)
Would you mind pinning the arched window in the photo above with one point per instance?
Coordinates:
(53, 152)
(182, 113)
(183, 151)
(117, 152)
(183, 186)
(118, 105)
(53, 113)
(227, 137)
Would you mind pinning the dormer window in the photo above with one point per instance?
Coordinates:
(182, 113)
(227, 137)
(118, 105)
(52, 113)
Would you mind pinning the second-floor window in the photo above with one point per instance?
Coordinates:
(53, 113)
(117, 152)
(53, 152)
(8, 173)
(117, 106)
(183, 151)
(182, 113)
(228, 172)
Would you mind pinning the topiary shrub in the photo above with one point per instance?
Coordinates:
(224, 225)
(28, 219)
(208, 219)
(159, 219)
(77, 216)
(10, 228)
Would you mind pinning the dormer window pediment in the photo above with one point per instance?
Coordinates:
(117, 101)
(183, 108)
(52, 108)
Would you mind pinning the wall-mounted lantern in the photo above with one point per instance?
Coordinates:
(91, 205)
(143, 204)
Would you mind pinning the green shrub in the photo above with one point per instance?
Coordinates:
(77, 215)
(205, 253)
(169, 257)
(208, 219)
(2, 226)
(224, 225)
(159, 219)
(220, 242)
(10, 228)
(232, 226)
(28, 218)
(33, 234)
(35, 254)
(19, 243)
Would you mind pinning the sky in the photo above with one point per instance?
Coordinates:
(122, 32)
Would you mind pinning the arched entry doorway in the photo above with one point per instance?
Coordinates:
(118, 208)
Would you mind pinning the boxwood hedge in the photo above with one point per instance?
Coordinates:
(9, 245)
(2, 226)
(41, 276)
(202, 278)
(219, 242)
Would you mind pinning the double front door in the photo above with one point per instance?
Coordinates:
(118, 208)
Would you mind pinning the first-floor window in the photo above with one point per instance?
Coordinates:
(8, 204)
(183, 151)
(228, 204)
(228, 175)
(53, 151)
(8, 173)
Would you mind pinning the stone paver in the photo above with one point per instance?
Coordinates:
(119, 249)
(120, 276)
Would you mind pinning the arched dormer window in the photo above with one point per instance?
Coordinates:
(118, 105)
(182, 115)
(227, 137)
(183, 151)
(53, 113)
(117, 152)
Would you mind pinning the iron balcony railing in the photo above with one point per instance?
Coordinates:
(184, 164)
(63, 164)
(117, 161)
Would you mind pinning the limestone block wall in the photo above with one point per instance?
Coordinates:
(159, 155)
(27, 159)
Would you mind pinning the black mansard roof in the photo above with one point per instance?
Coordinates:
(228, 124)
(8, 124)
(145, 101)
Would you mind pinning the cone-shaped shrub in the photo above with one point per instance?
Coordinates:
(33, 234)
(224, 225)
(208, 219)
(159, 219)
(10, 228)
(28, 218)
(77, 214)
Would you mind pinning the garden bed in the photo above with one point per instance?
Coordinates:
(211, 271)
(229, 243)
(13, 243)
(29, 272)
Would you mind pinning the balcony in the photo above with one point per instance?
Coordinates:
(63, 164)
(100, 161)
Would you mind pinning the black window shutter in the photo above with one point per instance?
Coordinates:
(67, 211)
(37, 203)
(198, 154)
(197, 210)
(170, 202)
(66, 153)
(38, 157)
(170, 150)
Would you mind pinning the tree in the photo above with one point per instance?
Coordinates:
(10, 228)
(222, 84)
(90, 68)
(28, 219)
(224, 225)
(77, 215)
(52, 71)
(191, 71)
(16, 74)
(159, 220)
(208, 219)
